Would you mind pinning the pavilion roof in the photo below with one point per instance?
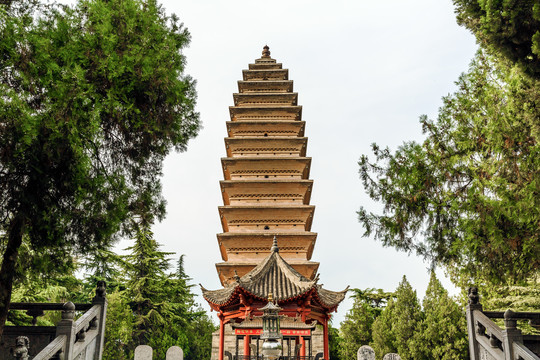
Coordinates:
(274, 276)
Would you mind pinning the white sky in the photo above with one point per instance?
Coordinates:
(364, 71)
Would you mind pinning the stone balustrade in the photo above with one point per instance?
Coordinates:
(82, 338)
(488, 341)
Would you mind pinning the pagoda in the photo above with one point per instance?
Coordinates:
(267, 243)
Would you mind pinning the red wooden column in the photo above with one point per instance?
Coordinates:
(325, 337)
(221, 337)
(303, 347)
(246, 345)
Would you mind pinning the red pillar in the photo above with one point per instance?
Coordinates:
(303, 347)
(221, 338)
(246, 345)
(325, 337)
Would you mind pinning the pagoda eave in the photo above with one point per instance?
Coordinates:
(303, 242)
(247, 128)
(265, 99)
(264, 146)
(243, 192)
(265, 86)
(265, 167)
(266, 217)
(265, 74)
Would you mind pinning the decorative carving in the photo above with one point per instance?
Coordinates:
(68, 312)
(101, 289)
(20, 352)
(473, 295)
(509, 321)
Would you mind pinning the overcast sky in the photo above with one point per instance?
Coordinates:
(364, 71)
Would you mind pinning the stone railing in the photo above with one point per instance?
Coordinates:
(70, 339)
(488, 341)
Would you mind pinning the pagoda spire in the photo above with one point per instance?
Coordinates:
(265, 52)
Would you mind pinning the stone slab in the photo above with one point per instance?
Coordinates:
(365, 352)
(143, 352)
(174, 353)
(392, 356)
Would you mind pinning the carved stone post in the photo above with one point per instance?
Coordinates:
(474, 304)
(21, 348)
(66, 327)
(100, 299)
(511, 334)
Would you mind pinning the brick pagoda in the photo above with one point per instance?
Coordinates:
(267, 243)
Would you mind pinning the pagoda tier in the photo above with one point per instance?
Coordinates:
(266, 191)
(258, 113)
(237, 247)
(266, 146)
(245, 168)
(266, 99)
(240, 129)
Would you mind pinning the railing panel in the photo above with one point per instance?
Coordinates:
(50, 351)
(522, 353)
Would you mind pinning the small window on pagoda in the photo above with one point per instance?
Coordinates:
(267, 227)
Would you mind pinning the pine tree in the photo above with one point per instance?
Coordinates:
(443, 332)
(395, 328)
(356, 329)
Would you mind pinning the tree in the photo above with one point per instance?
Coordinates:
(93, 98)
(468, 196)
(356, 329)
(443, 332)
(394, 330)
(510, 28)
(156, 308)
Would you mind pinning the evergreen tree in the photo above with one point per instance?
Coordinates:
(510, 28)
(394, 330)
(161, 309)
(468, 196)
(443, 333)
(93, 99)
(356, 329)
(384, 338)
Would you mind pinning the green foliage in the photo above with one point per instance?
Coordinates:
(155, 308)
(335, 342)
(93, 98)
(395, 328)
(438, 331)
(356, 329)
(442, 334)
(468, 197)
(510, 28)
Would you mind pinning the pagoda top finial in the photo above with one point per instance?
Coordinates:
(274, 247)
(265, 52)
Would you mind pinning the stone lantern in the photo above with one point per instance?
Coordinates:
(271, 348)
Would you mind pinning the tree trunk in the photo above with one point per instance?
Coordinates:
(7, 272)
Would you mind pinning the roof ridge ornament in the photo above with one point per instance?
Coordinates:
(274, 247)
(266, 52)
